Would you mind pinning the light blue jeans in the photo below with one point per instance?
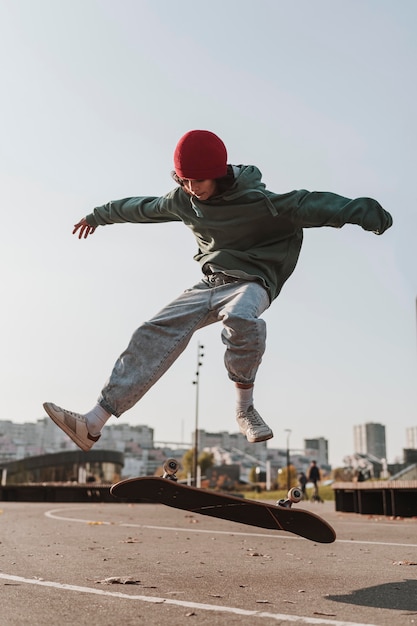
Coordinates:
(156, 344)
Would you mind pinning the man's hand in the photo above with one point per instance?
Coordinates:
(83, 228)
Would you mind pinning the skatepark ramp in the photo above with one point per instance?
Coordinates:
(397, 498)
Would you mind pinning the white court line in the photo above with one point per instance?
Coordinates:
(279, 617)
(53, 514)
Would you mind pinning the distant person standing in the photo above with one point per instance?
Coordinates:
(314, 477)
(302, 480)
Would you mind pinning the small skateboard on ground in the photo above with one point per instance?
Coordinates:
(166, 490)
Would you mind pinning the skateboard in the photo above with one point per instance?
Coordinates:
(167, 490)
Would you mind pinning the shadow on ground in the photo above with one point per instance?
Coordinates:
(400, 595)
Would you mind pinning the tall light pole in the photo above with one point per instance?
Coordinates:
(288, 431)
(196, 382)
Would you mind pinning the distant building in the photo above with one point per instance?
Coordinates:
(231, 441)
(410, 456)
(43, 437)
(120, 436)
(18, 441)
(369, 439)
(411, 437)
(317, 450)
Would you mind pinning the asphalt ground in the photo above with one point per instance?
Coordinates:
(86, 564)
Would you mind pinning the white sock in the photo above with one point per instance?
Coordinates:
(96, 418)
(244, 398)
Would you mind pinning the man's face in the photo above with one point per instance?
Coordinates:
(200, 189)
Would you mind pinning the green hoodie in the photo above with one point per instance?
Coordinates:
(248, 230)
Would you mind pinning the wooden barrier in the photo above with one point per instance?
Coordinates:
(393, 498)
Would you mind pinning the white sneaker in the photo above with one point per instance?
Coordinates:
(73, 424)
(252, 425)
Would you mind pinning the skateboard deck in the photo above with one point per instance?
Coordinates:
(232, 508)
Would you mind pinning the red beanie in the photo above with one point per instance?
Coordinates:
(200, 155)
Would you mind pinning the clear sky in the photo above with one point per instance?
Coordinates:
(319, 95)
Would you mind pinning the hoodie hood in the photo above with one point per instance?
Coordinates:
(248, 183)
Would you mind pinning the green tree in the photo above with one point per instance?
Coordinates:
(205, 461)
(253, 476)
(187, 461)
(283, 477)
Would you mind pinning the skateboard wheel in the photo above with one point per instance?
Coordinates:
(295, 495)
(171, 466)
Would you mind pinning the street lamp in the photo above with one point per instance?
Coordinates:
(288, 431)
(200, 355)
